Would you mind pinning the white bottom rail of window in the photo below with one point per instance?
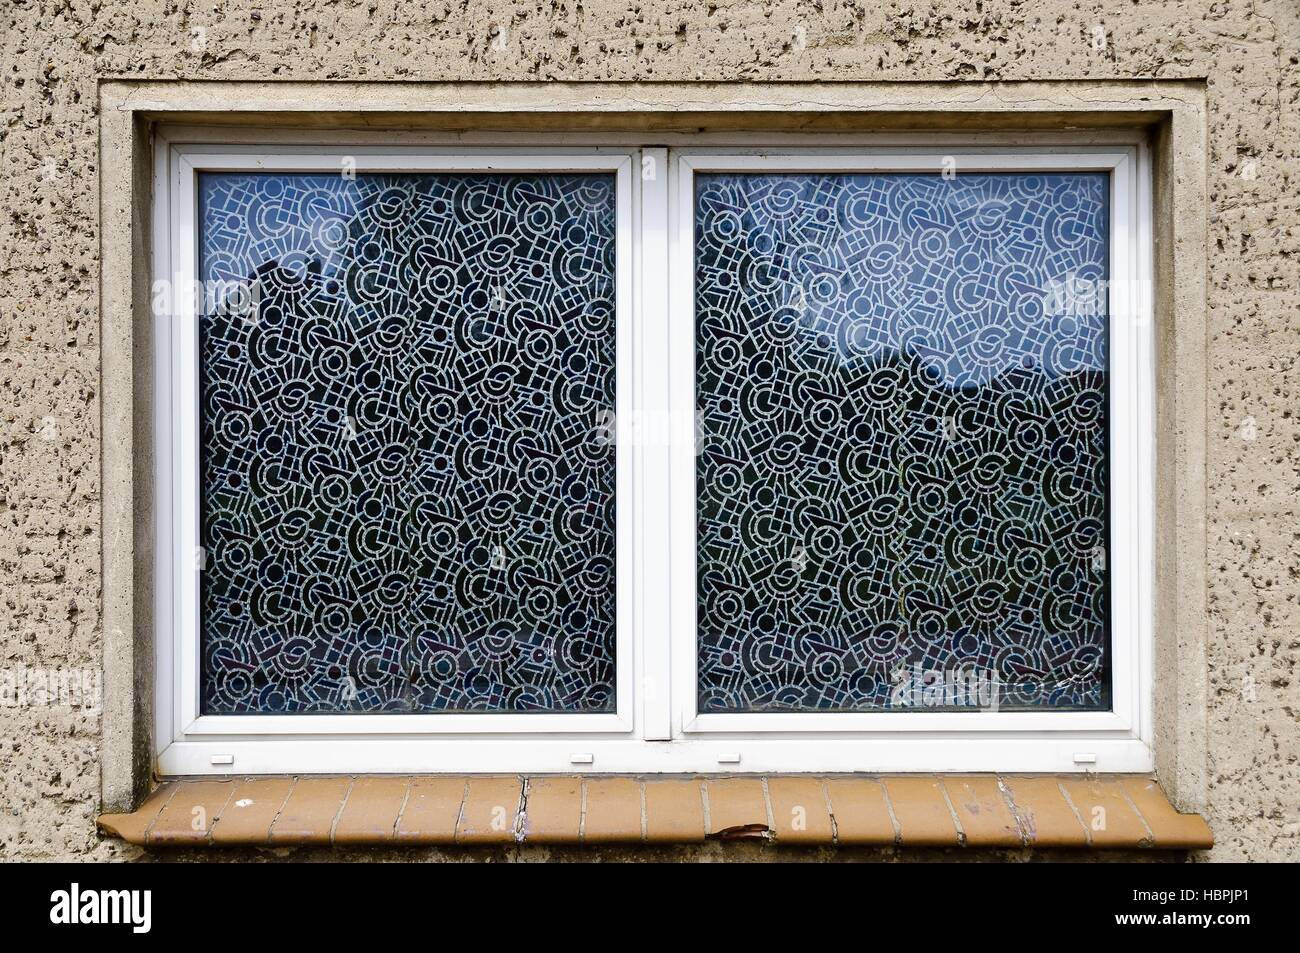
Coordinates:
(476, 754)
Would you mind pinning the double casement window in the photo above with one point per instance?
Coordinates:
(697, 457)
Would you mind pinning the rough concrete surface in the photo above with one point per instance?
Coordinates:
(54, 53)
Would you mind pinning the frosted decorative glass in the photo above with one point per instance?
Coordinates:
(902, 484)
(406, 505)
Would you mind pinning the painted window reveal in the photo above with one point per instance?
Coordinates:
(405, 505)
(903, 471)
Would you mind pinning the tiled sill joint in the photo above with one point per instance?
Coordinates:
(999, 811)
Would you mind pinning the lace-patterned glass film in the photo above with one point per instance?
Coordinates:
(902, 471)
(406, 505)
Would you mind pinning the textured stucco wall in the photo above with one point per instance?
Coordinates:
(53, 54)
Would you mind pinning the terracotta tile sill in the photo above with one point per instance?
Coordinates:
(1001, 811)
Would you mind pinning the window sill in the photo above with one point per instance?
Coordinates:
(904, 810)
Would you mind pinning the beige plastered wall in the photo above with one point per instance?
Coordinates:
(1215, 86)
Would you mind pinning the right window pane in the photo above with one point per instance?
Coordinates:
(902, 463)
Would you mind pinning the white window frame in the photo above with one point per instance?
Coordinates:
(1129, 407)
(176, 408)
(655, 727)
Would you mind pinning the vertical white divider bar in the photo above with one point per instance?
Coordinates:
(653, 431)
(681, 399)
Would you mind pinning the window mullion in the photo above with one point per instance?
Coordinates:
(651, 434)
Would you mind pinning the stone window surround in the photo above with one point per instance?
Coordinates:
(1171, 114)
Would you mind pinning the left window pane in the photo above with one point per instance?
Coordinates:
(406, 494)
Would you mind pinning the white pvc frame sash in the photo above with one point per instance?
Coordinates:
(1130, 379)
(177, 414)
(656, 727)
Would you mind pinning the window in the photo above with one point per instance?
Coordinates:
(652, 458)
(403, 501)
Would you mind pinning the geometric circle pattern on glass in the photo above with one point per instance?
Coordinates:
(406, 503)
(902, 463)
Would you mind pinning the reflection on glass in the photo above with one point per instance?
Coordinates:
(406, 506)
(901, 484)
